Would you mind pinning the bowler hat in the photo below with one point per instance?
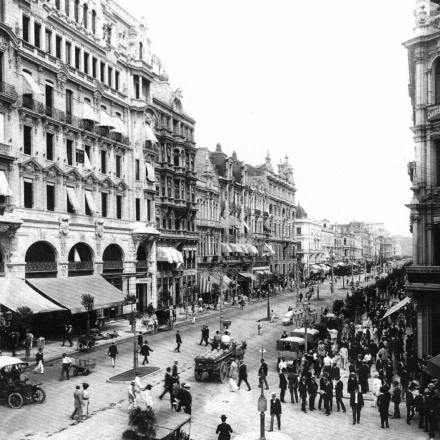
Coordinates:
(223, 417)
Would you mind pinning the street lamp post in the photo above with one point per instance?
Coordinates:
(130, 300)
(262, 401)
(332, 258)
(185, 288)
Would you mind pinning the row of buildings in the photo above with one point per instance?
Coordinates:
(101, 181)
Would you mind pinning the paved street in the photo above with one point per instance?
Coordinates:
(108, 402)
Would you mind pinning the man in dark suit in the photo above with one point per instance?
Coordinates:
(303, 393)
(293, 385)
(275, 411)
(321, 387)
(356, 403)
(242, 375)
(178, 341)
(339, 388)
(382, 404)
(283, 385)
(224, 430)
(312, 388)
(352, 383)
(262, 374)
(168, 386)
(335, 371)
(419, 403)
(327, 395)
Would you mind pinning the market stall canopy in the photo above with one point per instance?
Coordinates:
(66, 292)
(248, 275)
(29, 85)
(226, 249)
(396, 307)
(432, 367)
(8, 360)
(15, 293)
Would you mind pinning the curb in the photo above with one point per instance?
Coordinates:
(128, 381)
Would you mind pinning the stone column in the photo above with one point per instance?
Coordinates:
(81, 59)
(43, 36)
(31, 30)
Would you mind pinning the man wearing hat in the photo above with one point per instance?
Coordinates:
(113, 352)
(184, 399)
(292, 377)
(356, 403)
(352, 383)
(327, 393)
(339, 390)
(224, 430)
(302, 388)
(68, 335)
(312, 389)
(335, 371)
(178, 341)
(275, 411)
(168, 386)
(396, 398)
(382, 403)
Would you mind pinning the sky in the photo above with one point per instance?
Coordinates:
(324, 82)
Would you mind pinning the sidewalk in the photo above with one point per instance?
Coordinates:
(54, 350)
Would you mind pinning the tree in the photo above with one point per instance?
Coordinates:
(25, 316)
(88, 302)
(338, 305)
(142, 421)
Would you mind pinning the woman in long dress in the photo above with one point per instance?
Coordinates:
(233, 381)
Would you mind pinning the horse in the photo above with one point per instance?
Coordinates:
(239, 352)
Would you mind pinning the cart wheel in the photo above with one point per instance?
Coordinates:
(224, 369)
(86, 372)
(75, 371)
(39, 395)
(170, 324)
(15, 400)
(198, 375)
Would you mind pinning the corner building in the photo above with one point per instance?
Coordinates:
(89, 131)
(423, 284)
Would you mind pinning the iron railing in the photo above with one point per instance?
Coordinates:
(81, 265)
(5, 149)
(42, 266)
(31, 104)
(8, 90)
(2, 267)
(142, 264)
(114, 264)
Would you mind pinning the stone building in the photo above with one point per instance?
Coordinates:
(423, 281)
(88, 121)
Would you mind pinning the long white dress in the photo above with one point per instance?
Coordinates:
(233, 381)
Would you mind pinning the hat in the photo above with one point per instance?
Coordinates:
(186, 386)
(148, 387)
(375, 375)
(168, 368)
(132, 383)
(223, 417)
(382, 389)
(273, 394)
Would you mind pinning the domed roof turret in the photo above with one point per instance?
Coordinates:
(164, 77)
(300, 212)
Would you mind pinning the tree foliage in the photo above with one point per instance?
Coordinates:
(88, 302)
(142, 420)
(26, 316)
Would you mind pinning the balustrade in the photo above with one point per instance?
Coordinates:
(115, 264)
(42, 266)
(81, 265)
(8, 90)
(31, 104)
(2, 267)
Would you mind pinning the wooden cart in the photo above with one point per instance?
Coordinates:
(82, 366)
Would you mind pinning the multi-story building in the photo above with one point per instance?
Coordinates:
(327, 239)
(90, 134)
(423, 282)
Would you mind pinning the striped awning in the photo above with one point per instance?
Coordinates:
(226, 249)
(396, 307)
(72, 199)
(205, 282)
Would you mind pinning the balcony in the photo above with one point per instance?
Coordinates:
(423, 274)
(42, 266)
(8, 92)
(31, 104)
(115, 264)
(80, 265)
(2, 268)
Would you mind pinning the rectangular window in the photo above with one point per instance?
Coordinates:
(137, 170)
(28, 194)
(138, 209)
(26, 24)
(86, 63)
(69, 106)
(118, 166)
(102, 72)
(49, 146)
(119, 207)
(86, 204)
(117, 80)
(69, 149)
(77, 57)
(68, 53)
(37, 35)
(58, 41)
(50, 197)
(103, 161)
(149, 210)
(109, 74)
(104, 204)
(94, 67)
(67, 7)
(298, 231)
(76, 10)
(27, 140)
(48, 41)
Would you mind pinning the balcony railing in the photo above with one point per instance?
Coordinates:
(2, 267)
(116, 264)
(5, 149)
(8, 91)
(31, 104)
(56, 114)
(81, 265)
(423, 274)
(142, 264)
(42, 266)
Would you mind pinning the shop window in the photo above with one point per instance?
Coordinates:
(28, 191)
(118, 207)
(27, 140)
(49, 146)
(50, 197)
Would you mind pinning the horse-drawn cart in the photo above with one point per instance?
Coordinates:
(218, 361)
(161, 318)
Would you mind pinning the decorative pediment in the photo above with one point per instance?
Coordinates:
(72, 176)
(121, 186)
(53, 171)
(107, 183)
(30, 166)
(120, 151)
(91, 179)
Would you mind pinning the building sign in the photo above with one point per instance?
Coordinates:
(433, 112)
(80, 156)
(143, 281)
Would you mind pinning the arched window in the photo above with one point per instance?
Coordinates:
(141, 51)
(85, 16)
(76, 11)
(94, 21)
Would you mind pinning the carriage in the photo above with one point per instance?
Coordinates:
(161, 318)
(85, 343)
(292, 350)
(218, 361)
(14, 388)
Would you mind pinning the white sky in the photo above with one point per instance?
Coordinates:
(324, 81)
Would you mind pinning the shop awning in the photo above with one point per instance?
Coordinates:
(268, 249)
(433, 367)
(15, 293)
(29, 85)
(169, 254)
(150, 172)
(226, 249)
(66, 292)
(243, 247)
(236, 248)
(72, 199)
(204, 282)
(248, 275)
(149, 134)
(91, 202)
(263, 272)
(120, 126)
(5, 190)
(105, 120)
(251, 249)
(89, 113)
(396, 307)
(216, 280)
